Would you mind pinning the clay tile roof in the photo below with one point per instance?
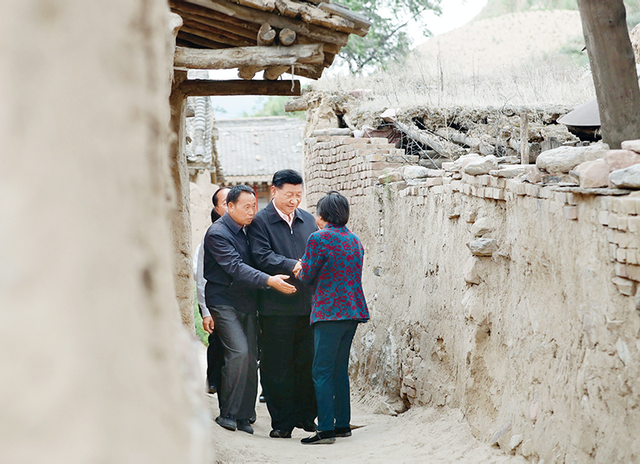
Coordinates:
(259, 146)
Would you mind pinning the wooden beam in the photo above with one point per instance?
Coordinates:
(361, 22)
(247, 56)
(613, 69)
(203, 88)
(524, 138)
(266, 35)
(320, 34)
(287, 37)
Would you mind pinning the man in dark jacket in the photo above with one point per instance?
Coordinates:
(278, 237)
(231, 297)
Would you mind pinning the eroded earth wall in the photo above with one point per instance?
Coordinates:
(90, 340)
(536, 341)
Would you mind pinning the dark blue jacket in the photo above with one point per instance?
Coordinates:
(229, 267)
(276, 249)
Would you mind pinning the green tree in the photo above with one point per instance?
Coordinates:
(387, 39)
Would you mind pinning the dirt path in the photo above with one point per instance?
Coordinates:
(421, 435)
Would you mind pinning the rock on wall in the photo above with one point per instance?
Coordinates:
(92, 350)
(501, 298)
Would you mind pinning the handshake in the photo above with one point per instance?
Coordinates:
(279, 281)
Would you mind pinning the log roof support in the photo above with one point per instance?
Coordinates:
(203, 88)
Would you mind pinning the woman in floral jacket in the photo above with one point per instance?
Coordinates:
(332, 263)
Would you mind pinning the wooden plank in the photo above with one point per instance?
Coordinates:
(216, 35)
(195, 39)
(264, 5)
(179, 7)
(244, 13)
(247, 56)
(246, 32)
(203, 88)
(613, 69)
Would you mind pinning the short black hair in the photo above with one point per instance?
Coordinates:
(333, 208)
(235, 192)
(286, 176)
(214, 214)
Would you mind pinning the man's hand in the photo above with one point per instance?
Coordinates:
(207, 324)
(278, 282)
(297, 268)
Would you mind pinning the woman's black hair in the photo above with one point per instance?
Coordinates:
(235, 192)
(214, 214)
(333, 208)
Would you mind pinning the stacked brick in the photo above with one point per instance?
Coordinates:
(348, 165)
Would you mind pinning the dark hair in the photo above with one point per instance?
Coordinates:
(235, 192)
(333, 208)
(286, 176)
(214, 214)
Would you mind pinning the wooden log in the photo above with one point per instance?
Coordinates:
(273, 72)
(248, 72)
(613, 69)
(287, 36)
(361, 22)
(202, 88)
(320, 34)
(264, 5)
(524, 138)
(299, 104)
(415, 134)
(247, 56)
(182, 7)
(266, 35)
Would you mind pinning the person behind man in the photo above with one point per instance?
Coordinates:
(230, 294)
(214, 355)
(278, 236)
(333, 264)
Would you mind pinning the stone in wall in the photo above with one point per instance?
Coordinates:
(564, 159)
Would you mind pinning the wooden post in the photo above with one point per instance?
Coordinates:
(179, 213)
(524, 138)
(613, 68)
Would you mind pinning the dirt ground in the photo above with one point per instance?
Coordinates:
(420, 435)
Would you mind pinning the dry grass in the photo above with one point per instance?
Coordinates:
(467, 67)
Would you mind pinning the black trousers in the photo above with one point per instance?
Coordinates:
(285, 366)
(239, 386)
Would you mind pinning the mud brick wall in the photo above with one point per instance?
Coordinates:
(514, 302)
(347, 164)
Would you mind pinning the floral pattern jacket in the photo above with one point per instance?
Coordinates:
(332, 263)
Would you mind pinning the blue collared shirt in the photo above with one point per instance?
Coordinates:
(229, 267)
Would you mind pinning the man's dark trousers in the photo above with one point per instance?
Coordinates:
(286, 366)
(238, 335)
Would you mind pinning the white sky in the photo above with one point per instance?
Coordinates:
(455, 13)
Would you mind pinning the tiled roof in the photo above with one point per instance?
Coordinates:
(259, 146)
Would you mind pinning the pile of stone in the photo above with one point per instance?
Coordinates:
(588, 167)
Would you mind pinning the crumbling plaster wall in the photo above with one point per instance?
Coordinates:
(95, 363)
(541, 354)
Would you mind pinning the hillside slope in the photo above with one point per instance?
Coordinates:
(487, 45)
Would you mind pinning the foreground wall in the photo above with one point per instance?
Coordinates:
(535, 343)
(90, 336)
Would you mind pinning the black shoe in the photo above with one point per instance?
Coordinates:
(252, 419)
(212, 390)
(228, 422)
(245, 426)
(320, 438)
(277, 433)
(308, 426)
(343, 432)
(262, 399)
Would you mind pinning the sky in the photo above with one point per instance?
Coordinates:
(455, 13)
